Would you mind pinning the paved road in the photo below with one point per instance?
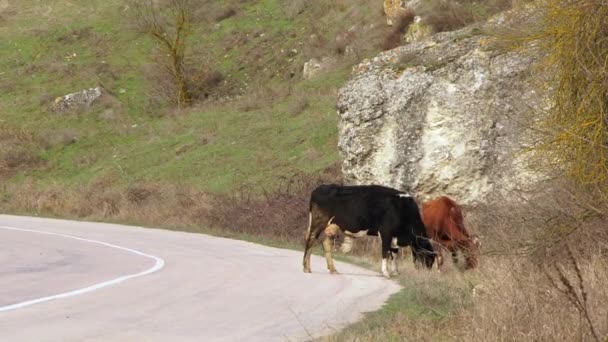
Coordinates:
(79, 281)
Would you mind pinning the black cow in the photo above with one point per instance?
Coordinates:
(368, 210)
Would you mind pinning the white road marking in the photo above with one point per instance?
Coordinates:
(159, 263)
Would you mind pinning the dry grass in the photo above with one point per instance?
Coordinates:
(280, 214)
(449, 15)
(298, 104)
(534, 282)
(262, 96)
(18, 151)
(542, 277)
(401, 23)
(144, 203)
(58, 137)
(507, 299)
(343, 29)
(293, 8)
(530, 285)
(223, 14)
(519, 302)
(540, 226)
(420, 312)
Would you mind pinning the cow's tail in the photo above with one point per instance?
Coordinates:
(308, 245)
(309, 230)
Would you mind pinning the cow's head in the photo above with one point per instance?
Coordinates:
(423, 253)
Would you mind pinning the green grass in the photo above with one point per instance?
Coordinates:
(425, 303)
(37, 64)
(254, 146)
(212, 148)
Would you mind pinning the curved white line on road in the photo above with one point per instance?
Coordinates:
(159, 263)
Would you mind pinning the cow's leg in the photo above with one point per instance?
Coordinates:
(394, 255)
(315, 227)
(415, 259)
(327, 246)
(439, 260)
(386, 253)
(439, 252)
(455, 257)
(308, 246)
(347, 245)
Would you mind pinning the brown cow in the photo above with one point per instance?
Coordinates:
(444, 224)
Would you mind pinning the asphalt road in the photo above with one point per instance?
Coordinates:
(80, 281)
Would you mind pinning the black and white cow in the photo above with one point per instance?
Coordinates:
(360, 210)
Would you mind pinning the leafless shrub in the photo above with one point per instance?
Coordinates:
(402, 21)
(106, 199)
(139, 193)
(281, 213)
(573, 291)
(172, 36)
(14, 157)
(342, 42)
(109, 101)
(542, 222)
(449, 15)
(249, 103)
(18, 151)
(213, 78)
(201, 84)
(298, 104)
(109, 108)
(161, 89)
(261, 96)
(355, 30)
(531, 307)
(542, 274)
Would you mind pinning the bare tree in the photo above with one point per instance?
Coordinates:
(170, 28)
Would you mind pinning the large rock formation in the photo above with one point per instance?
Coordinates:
(77, 101)
(439, 116)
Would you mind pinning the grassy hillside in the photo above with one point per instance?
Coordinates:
(275, 123)
(133, 158)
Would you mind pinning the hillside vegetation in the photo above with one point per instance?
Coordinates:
(241, 158)
(260, 119)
